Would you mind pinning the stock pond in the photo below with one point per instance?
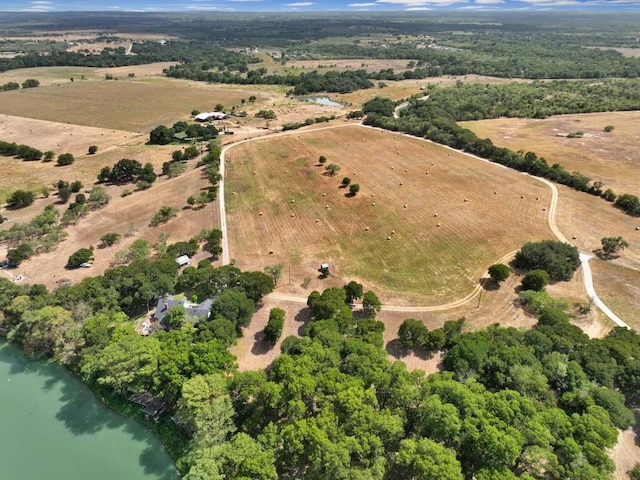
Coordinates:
(53, 428)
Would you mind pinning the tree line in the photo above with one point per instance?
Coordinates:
(436, 120)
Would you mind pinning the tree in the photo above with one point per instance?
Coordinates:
(354, 188)
(161, 135)
(371, 304)
(79, 257)
(30, 83)
(65, 159)
(20, 199)
(219, 107)
(48, 155)
(425, 459)
(109, 239)
(274, 271)
(273, 330)
(213, 239)
(558, 259)
(64, 194)
(93, 149)
(412, 333)
(332, 168)
(346, 181)
(322, 159)
(499, 272)
(353, 291)
(609, 128)
(612, 245)
(535, 280)
(175, 317)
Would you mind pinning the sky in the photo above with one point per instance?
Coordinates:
(310, 6)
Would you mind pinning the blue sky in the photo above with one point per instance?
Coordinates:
(310, 5)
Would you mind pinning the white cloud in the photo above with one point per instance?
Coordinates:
(552, 3)
(489, 2)
(415, 4)
(361, 5)
(299, 4)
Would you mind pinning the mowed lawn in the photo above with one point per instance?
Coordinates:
(132, 105)
(449, 224)
(609, 157)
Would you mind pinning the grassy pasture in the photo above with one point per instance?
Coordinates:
(421, 262)
(123, 105)
(619, 289)
(608, 157)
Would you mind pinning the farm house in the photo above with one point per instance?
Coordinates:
(205, 116)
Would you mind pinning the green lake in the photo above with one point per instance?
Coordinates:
(53, 428)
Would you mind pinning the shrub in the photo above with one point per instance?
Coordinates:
(79, 257)
(164, 215)
(93, 149)
(111, 238)
(65, 159)
(354, 188)
(609, 128)
(20, 199)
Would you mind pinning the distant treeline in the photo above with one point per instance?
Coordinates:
(147, 52)
(508, 56)
(305, 83)
(436, 118)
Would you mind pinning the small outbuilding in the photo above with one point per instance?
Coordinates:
(183, 260)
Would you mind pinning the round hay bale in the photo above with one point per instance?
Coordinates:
(437, 225)
(435, 214)
(317, 220)
(373, 204)
(324, 194)
(521, 196)
(366, 229)
(405, 205)
(388, 238)
(574, 237)
(293, 215)
(293, 201)
(260, 214)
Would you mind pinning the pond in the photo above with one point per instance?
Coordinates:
(54, 428)
(326, 101)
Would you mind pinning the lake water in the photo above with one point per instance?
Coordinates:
(326, 101)
(53, 428)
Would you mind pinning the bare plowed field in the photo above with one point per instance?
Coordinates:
(425, 226)
(610, 157)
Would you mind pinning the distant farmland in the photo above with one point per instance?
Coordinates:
(121, 105)
(283, 208)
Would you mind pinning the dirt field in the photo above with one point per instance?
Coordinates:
(608, 157)
(421, 261)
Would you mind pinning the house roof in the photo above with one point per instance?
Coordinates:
(193, 309)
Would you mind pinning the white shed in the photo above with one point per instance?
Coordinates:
(183, 260)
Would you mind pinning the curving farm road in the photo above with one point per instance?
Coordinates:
(584, 257)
